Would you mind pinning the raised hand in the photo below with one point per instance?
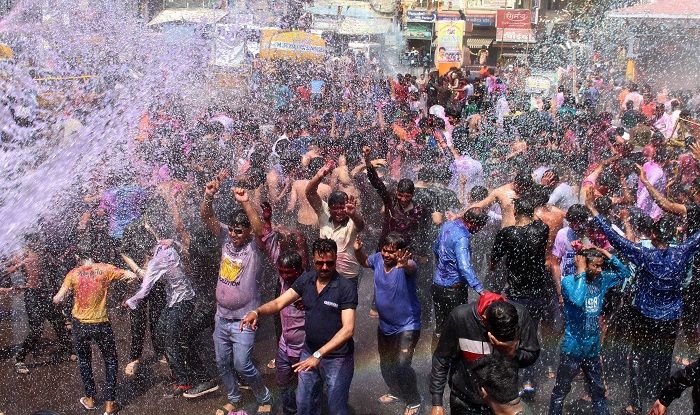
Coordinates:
(402, 258)
(695, 151)
(212, 188)
(358, 244)
(351, 206)
(642, 174)
(327, 168)
(366, 152)
(240, 195)
(547, 179)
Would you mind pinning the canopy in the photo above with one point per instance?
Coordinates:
(660, 9)
(194, 15)
(291, 45)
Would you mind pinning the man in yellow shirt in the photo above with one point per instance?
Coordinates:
(89, 283)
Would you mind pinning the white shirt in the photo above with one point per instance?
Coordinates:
(344, 237)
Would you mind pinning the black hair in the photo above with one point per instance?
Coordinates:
(645, 224)
(665, 228)
(337, 197)
(539, 195)
(426, 173)
(405, 186)
(324, 246)
(478, 217)
(603, 205)
(498, 376)
(592, 254)
(577, 213)
(523, 180)
(290, 259)
(502, 320)
(478, 193)
(238, 217)
(443, 173)
(396, 240)
(524, 207)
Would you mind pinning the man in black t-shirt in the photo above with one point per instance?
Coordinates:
(529, 283)
(328, 355)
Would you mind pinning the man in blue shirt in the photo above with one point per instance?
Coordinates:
(328, 354)
(399, 317)
(583, 294)
(657, 304)
(453, 271)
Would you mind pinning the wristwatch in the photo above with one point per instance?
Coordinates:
(317, 355)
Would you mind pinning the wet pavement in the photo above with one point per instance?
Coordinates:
(58, 386)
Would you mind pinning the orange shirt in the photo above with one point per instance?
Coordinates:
(89, 284)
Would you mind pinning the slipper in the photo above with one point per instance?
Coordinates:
(83, 401)
(271, 364)
(412, 409)
(387, 398)
(265, 408)
(116, 409)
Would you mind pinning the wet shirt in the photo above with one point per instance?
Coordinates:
(453, 257)
(525, 249)
(165, 265)
(344, 236)
(583, 303)
(237, 290)
(292, 316)
(563, 197)
(123, 205)
(397, 303)
(89, 284)
(660, 272)
(323, 310)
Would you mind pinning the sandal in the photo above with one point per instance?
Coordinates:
(223, 410)
(88, 407)
(271, 364)
(132, 368)
(387, 398)
(412, 409)
(265, 408)
(115, 408)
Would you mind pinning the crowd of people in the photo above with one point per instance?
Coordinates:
(571, 220)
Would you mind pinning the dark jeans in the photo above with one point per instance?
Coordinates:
(173, 327)
(286, 381)
(395, 357)
(336, 373)
(691, 314)
(100, 333)
(147, 313)
(424, 282)
(569, 367)
(201, 326)
(650, 357)
(460, 407)
(541, 309)
(445, 299)
(39, 307)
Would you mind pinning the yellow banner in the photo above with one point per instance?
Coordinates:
(448, 50)
(291, 45)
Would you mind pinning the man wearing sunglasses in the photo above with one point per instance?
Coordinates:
(237, 291)
(328, 354)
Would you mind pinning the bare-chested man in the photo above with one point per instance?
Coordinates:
(505, 195)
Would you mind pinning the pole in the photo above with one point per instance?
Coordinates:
(574, 74)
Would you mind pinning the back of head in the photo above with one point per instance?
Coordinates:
(478, 193)
(665, 228)
(498, 376)
(603, 205)
(577, 213)
(524, 207)
(523, 181)
(290, 259)
(476, 216)
(502, 320)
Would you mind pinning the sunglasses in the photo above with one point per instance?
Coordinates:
(237, 231)
(326, 263)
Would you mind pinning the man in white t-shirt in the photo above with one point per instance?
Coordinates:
(338, 220)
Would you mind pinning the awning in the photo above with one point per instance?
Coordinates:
(196, 16)
(348, 18)
(478, 42)
(364, 26)
(660, 9)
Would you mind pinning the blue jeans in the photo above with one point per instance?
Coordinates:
(233, 349)
(336, 373)
(569, 366)
(102, 335)
(286, 381)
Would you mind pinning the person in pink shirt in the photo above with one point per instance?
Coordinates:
(654, 172)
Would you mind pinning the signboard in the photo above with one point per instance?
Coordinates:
(419, 31)
(481, 20)
(293, 45)
(515, 35)
(489, 4)
(513, 19)
(541, 82)
(420, 16)
(449, 41)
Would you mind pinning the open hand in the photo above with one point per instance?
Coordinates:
(358, 244)
(212, 188)
(306, 365)
(402, 258)
(351, 206)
